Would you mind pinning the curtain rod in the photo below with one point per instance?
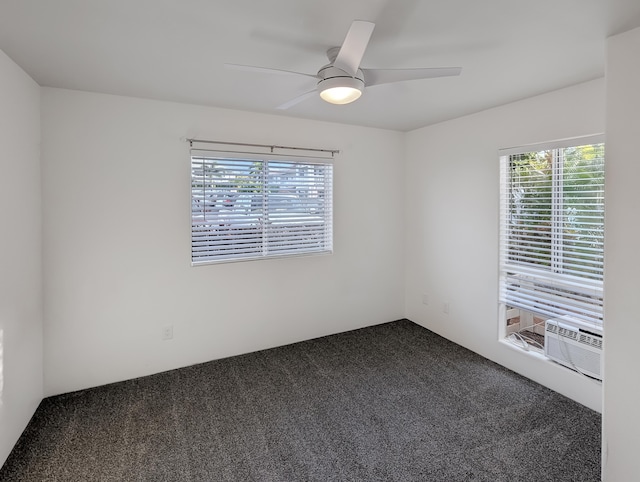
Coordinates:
(333, 152)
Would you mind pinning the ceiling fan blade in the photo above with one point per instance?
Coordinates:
(265, 70)
(354, 46)
(296, 100)
(387, 76)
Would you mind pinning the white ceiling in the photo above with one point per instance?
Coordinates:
(175, 50)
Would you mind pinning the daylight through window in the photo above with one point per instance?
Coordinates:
(552, 234)
(246, 206)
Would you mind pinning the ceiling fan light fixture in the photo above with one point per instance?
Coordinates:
(340, 90)
(340, 95)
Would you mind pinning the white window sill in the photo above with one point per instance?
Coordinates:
(534, 352)
(540, 356)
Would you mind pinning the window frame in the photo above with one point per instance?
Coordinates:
(529, 273)
(281, 229)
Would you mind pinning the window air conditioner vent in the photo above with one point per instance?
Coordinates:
(591, 340)
(573, 347)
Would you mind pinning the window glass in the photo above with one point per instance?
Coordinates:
(248, 208)
(552, 237)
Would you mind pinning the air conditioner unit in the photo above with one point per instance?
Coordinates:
(573, 347)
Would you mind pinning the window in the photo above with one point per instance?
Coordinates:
(246, 206)
(552, 233)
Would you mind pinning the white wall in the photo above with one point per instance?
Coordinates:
(20, 253)
(622, 281)
(452, 204)
(117, 241)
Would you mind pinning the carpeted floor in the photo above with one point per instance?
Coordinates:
(392, 402)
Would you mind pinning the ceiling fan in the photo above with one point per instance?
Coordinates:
(342, 80)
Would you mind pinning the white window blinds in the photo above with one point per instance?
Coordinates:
(249, 206)
(552, 231)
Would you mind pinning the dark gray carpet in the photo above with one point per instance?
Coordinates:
(392, 402)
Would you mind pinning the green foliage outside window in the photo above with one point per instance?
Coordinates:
(556, 209)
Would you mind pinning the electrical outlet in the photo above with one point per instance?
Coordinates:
(445, 307)
(167, 332)
(425, 299)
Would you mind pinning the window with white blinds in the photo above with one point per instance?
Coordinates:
(552, 230)
(246, 206)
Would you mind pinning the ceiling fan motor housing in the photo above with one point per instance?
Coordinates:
(332, 77)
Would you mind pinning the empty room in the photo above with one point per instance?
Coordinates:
(375, 240)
